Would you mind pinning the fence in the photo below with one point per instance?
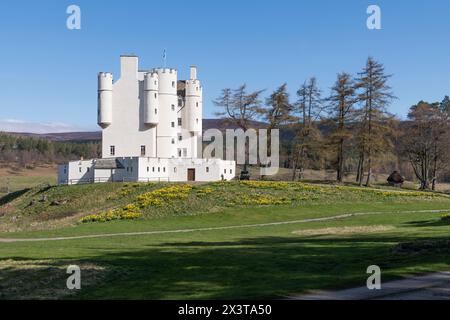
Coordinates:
(109, 179)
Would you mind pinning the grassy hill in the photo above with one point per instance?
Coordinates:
(55, 206)
(216, 240)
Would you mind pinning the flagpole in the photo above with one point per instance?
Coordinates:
(165, 58)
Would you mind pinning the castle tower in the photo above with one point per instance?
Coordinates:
(151, 99)
(194, 107)
(166, 134)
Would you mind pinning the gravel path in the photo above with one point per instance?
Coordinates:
(434, 286)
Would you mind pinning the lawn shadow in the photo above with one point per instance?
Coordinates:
(251, 268)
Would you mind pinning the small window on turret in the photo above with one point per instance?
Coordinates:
(173, 107)
(196, 104)
(156, 111)
(173, 84)
(156, 95)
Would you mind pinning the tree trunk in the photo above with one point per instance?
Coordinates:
(340, 165)
(434, 172)
(361, 169)
(369, 167)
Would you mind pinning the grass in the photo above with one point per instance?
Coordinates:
(16, 179)
(256, 262)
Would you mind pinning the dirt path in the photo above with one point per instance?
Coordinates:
(259, 225)
(434, 286)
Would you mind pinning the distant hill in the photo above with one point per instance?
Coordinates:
(97, 135)
(63, 136)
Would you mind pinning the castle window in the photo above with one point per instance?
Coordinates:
(173, 141)
(179, 153)
(164, 169)
(156, 111)
(153, 169)
(196, 104)
(173, 84)
(156, 95)
(79, 169)
(231, 171)
(180, 137)
(180, 122)
(173, 107)
(159, 169)
(148, 169)
(184, 152)
(207, 169)
(172, 124)
(175, 169)
(142, 150)
(112, 150)
(196, 88)
(156, 83)
(225, 171)
(196, 120)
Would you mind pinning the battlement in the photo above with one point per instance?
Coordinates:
(105, 74)
(165, 70)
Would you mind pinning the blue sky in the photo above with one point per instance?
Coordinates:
(49, 73)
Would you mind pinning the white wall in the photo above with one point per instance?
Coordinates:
(131, 122)
(127, 132)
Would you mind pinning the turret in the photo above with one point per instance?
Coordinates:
(168, 115)
(105, 97)
(194, 93)
(151, 106)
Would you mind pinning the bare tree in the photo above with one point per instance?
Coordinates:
(375, 95)
(426, 142)
(308, 108)
(239, 108)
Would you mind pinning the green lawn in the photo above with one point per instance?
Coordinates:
(252, 262)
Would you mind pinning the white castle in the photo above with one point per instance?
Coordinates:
(151, 130)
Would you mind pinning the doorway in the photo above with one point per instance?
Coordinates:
(191, 174)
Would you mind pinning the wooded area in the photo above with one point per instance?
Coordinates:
(350, 130)
(28, 151)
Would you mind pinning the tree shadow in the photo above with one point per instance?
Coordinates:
(12, 196)
(428, 223)
(251, 268)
